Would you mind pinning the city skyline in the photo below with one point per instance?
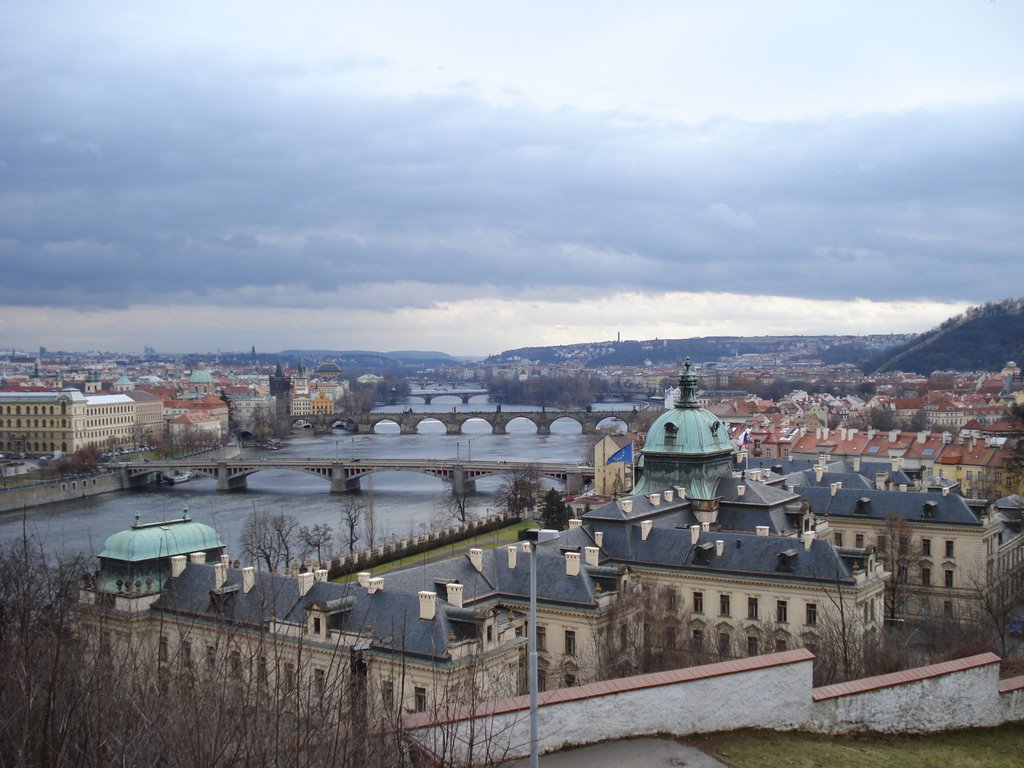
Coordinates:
(472, 180)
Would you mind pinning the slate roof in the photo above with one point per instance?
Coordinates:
(393, 617)
(947, 510)
(743, 554)
(392, 613)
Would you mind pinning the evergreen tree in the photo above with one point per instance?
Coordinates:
(554, 512)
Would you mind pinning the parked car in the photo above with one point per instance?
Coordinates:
(1017, 625)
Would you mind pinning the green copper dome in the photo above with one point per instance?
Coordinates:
(201, 376)
(688, 429)
(687, 446)
(150, 541)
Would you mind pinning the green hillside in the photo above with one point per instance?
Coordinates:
(981, 339)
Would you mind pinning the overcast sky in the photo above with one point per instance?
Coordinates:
(470, 177)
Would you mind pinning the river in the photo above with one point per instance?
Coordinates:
(403, 502)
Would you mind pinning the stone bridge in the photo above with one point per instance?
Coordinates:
(345, 475)
(408, 423)
(464, 394)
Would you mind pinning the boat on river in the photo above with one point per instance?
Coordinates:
(179, 476)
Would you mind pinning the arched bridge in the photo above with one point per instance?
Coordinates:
(345, 474)
(409, 422)
(463, 393)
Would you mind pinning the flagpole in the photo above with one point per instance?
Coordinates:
(632, 470)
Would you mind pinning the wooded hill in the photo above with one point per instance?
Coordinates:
(983, 338)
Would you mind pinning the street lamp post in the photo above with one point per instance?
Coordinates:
(536, 537)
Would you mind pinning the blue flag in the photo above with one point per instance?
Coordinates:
(623, 454)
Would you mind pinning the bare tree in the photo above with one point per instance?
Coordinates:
(352, 512)
(901, 555)
(269, 539)
(518, 494)
(996, 594)
(315, 538)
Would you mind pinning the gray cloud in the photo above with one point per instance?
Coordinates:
(193, 180)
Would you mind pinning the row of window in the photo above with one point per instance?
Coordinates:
(34, 423)
(568, 640)
(16, 410)
(926, 544)
(754, 608)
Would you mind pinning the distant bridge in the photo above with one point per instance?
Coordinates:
(463, 393)
(345, 475)
(408, 423)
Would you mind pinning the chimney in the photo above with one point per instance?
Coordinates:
(903, 487)
(178, 565)
(894, 435)
(645, 529)
(668, 494)
(599, 538)
(248, 579)
(220, 575)
(626, 505)
(511, 550)
(225, 561)
(922, 436)
(719, 547)
(842, 434)
(856, 463)
(199, 558)
(574, 522)
(694, 534)
(740, 490)
(590, 555)
(871, 433)
(364, 578)
(945, 490)
(880, 478)
(791, 487)
(895, 463)
(428, 605)
(374, 585)
(681, 492)
(705, 526)
(320, 574)
(655, 499)
(819, 472)
(476, 557)
(455, 594)
(808, 539)
(834, 487)
(762, 530)
(572, 563)
(305, 582)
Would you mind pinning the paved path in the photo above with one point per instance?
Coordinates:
(628, 753)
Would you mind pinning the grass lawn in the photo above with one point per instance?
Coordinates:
(976, 748)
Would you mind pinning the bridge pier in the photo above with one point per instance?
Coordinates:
(340, 483)
(462, 485)
(227, 482)
(574, 483)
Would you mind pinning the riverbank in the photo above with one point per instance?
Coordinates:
(26, 496)
(64, 489)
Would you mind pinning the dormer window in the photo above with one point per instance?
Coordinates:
(928, 510)
(787, 560)
(671, 430)
(863, 503)
(702, 554)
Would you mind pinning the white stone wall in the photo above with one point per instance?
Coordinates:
(772, 692)
(964, 699)
(776, 697)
